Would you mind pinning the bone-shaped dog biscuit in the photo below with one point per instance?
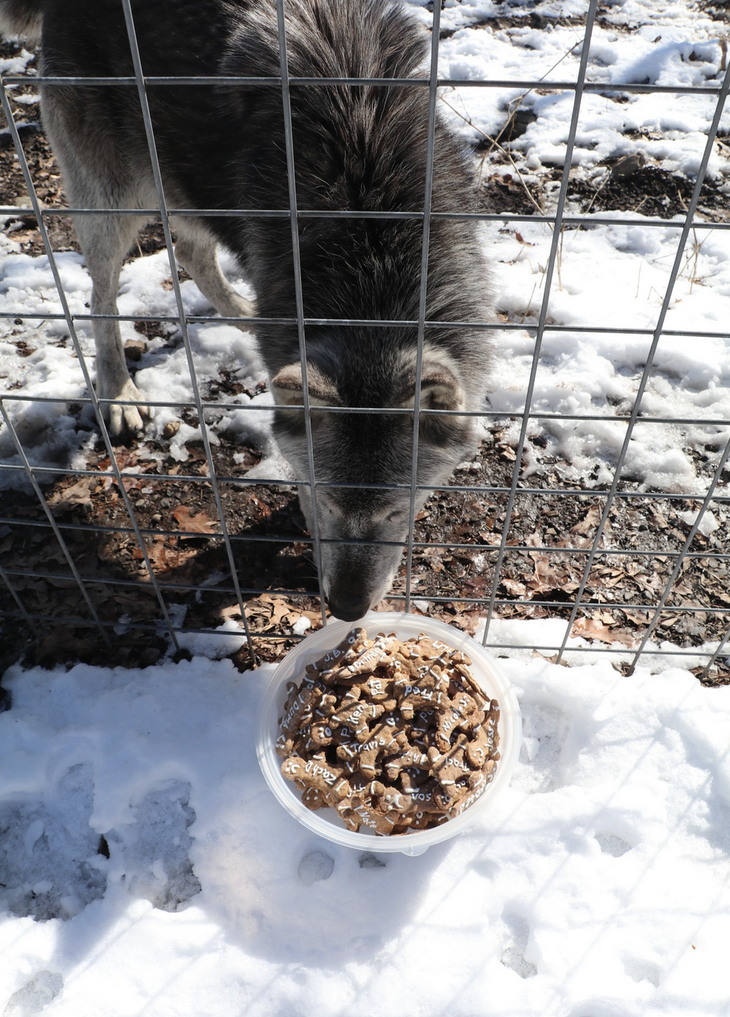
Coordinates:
(362, 812)
(358, 716)
(376, 654)
(352, 644)
(317, 773)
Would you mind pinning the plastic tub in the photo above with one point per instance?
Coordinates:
(325, 822)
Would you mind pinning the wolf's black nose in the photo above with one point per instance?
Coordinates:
(346, 607)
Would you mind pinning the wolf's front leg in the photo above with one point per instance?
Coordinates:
(113, 380)
(104, 241)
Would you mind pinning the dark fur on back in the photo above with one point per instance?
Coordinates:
(359, 148)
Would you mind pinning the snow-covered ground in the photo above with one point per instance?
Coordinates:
(613, 276)
(599, 886)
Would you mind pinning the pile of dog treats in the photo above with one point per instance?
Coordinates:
(395, 735)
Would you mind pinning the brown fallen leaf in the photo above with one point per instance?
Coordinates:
(667, 623)
(516, 589)
(589, 522)
(63, 644)
(199, 523)
(76, 496)
(547, 577)
(156, 552)
(590, 629)
(611, 579)
(270, 613)
(552, 658)
(259, 509)
(467, 621)
(278, 606)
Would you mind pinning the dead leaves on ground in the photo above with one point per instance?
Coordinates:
(78, 495)
(595, 628)
(632, 584)
(197, 523)
(271, 615)
(271, 619)
(458, 533)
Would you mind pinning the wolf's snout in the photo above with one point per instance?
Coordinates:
(356, 576)
(349, 606)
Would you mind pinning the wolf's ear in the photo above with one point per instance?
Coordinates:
(287, 387)
(440, 387)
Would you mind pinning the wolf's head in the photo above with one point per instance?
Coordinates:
(363, 463)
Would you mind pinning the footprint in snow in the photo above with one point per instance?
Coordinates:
(49, 862)
(612, 844)
(53, 864)
(517, 934)
(35, 995)
(315, 866)
(155, 848)
(544, 731)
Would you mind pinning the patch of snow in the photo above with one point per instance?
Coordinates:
(598, 883)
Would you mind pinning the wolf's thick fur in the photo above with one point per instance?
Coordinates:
(222, 147)
(21, 17)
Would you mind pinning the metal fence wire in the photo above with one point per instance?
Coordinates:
(627, 571)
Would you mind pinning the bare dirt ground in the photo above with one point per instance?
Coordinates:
(457, 534)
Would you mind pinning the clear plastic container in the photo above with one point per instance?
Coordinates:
(325, 822)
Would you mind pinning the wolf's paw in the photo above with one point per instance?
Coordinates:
(126, 421)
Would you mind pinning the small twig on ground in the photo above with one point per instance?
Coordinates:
(496, 145)
(528, 305)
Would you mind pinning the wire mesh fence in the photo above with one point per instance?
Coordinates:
(119, 551)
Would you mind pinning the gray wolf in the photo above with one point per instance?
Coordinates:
(221, 146)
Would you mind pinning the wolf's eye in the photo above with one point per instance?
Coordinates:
(397, 516)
